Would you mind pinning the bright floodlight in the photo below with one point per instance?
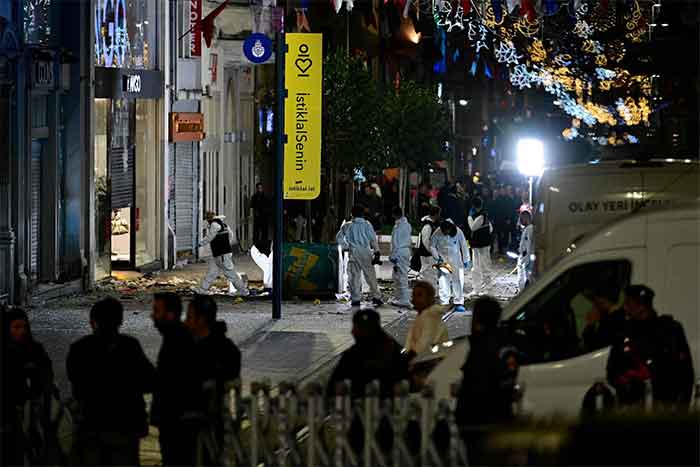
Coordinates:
(530, 154)
(463, 102)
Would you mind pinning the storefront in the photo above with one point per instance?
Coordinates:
(128, 149)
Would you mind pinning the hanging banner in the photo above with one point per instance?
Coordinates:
(302, 116)
(196, 34)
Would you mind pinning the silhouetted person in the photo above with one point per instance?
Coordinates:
(177, 390)
(374, 356)
(261, 205)
(27, 375)
(109, 374)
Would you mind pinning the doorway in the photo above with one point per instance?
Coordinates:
(126, 184)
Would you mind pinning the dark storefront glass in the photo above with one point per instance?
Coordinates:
(126, 34)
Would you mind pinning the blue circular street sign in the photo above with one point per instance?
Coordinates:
(257, 48)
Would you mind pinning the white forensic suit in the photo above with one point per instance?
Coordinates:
(480, 227)
(223, 264)
(264, 262)
(452, 250)
(427, 272)
(360, 240)
(400, 257)
(525, 252)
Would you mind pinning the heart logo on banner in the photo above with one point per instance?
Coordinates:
(303, 64)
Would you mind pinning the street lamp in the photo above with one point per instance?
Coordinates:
(530, 157)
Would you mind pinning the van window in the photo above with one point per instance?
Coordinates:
(569, 317)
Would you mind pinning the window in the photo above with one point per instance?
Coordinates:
(551, 327)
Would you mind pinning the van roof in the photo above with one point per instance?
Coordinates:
(689, 209)
(623, 165)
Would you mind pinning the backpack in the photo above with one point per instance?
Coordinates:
(221, 244)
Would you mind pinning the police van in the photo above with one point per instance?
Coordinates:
(575, 200)
(657, 246)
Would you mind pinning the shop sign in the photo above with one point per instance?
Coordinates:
(257, 48)
(131, 84)
(196, 34)
(302, 116)
(43, 75)
(186, 127)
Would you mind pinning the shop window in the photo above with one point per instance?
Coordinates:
(551, 326)
(126, 34)
(37, 21)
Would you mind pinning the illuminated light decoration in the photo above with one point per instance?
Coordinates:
(520, 77)
(458, 20)
(605, 85)
(601, 60)
(489, 18)
(583, 29)
(592, 47)
(37, 23)
(526, 27)
(537, 52)
(563, 60)
(506, 53)
(605, 74)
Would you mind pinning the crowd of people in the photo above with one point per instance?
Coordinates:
(110, 374)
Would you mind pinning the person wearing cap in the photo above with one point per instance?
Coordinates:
(375, 356)
(219, 240)
(400, 257)
(451, 254)
(360, 240)
(480, 241)
(652, 349)
(526, 249)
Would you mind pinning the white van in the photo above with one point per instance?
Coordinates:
(576, 200)
(656, 247)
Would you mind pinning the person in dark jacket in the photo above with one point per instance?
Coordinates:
(27, 375)
(109, 374)
(490, 371)
(374, 356)
(177, 388)
(606, 321)
(261, 204)
(652, 348)
(218, 361)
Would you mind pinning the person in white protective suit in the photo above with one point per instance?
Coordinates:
(400, 257)
(430, 224)
(480, 241)
(526, 249)
(360, 240)
(451, 253)
(221, 263)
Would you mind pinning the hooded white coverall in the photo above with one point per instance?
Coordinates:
(525, 251)
(452, 250)
(359, 238)
(264, 262)
(221, 264)
(427, 272)
(400, 257)
(482, 256)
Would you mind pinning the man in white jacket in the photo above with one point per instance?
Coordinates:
(481, 228)
(360, 240)
(400, 257)
(525, 251)
(428, 329)
(219, 240)
(449, 248)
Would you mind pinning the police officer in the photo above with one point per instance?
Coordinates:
(652, 349)
(219, 239)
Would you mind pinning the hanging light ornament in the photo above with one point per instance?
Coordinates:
(537, 52)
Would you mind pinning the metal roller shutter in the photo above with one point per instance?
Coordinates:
(184, 195)
(121, 166)
(35, 206)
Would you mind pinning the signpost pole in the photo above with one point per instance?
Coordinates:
(279, 174)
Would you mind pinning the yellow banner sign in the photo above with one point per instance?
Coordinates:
(303, 71)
